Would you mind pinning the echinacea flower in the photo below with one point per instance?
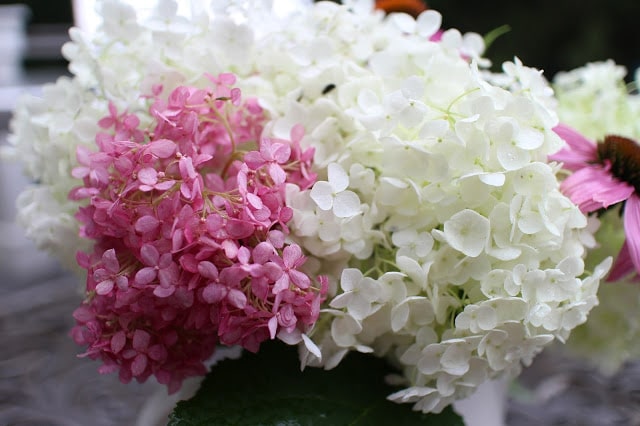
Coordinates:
(605, 174)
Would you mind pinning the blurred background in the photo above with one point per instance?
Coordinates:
(41, 380)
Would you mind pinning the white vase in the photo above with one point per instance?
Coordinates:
(487, 406)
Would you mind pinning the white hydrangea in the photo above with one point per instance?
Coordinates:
(458, 203)
(449, 248)
(596, 100)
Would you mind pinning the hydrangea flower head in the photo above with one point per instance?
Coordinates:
(188, 219)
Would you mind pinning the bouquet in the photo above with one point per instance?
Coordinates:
(599, 110)
(341, 180)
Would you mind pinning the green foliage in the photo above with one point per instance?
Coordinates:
(269, 389)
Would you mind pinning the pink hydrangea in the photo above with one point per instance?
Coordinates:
(189, 221)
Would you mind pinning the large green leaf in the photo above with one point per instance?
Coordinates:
(269, 389)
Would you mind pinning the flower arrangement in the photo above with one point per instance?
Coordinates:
(599, 110)
(343, 181)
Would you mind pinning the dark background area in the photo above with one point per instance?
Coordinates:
(552, 35)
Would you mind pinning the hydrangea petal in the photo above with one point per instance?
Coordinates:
(346, 204)
(322, 194)
(468, 232)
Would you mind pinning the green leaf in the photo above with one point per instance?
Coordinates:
(269, 389)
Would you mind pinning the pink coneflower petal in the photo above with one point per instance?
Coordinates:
(632, 229)
(623, 265)
(593, 188)
(581, 150)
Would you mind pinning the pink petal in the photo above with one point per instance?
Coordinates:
(145, 275)
(157, 352)
(623, 266)
(148, 176)
(281, 152)
(297, 133)
(291, 254)
(254, 200)
(122, 282)
(580, 151)
(263, 252)
(163, 292)
(277, 173)
(167, 184)
(83, 155)
(253, 159)
(593, 188)
(239, 229)
(104, 287)
(83, 314)
(146, 224)
(138, 365)
(162, 148)
(187, 171)
(273, 326)
(110, 261)
(141, 340)
(166, 260)
(300, 279)
(118, 341)
(168, 277)
(208, 270)
(237, 298)
(149, 255)
(227, 78)
(214, 293)
(80, 172)
(281, 284)
(632, 229)
(276, 238)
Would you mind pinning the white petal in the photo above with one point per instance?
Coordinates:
(341, 300)
(311, 346)
(529, 138)
(322, 194)
(404, 22)
(511, 157)
(455, 360)
(492, 179)
(430, 361)
(487, 318)
(338, 177)
(346, 204)
(468, 232)
(404, 237)
(399, 316)
(428, 23)
(412, 269)
(350, 278)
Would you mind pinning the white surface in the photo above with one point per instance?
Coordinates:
(487, 406)
(13, 41)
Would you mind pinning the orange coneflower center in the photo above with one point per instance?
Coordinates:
(623, 155)
(412, 7)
